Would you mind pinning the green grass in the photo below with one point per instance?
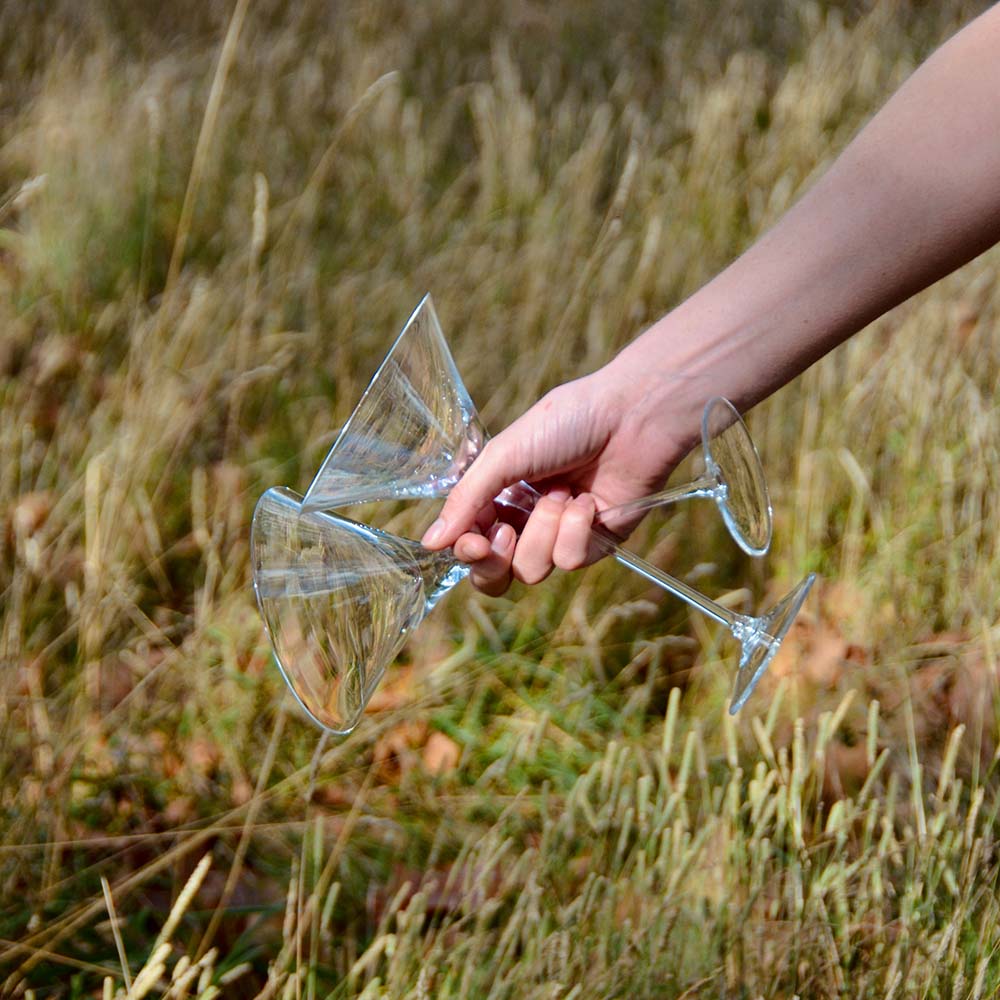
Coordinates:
(549, 799)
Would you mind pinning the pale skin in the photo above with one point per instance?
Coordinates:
(915, 195)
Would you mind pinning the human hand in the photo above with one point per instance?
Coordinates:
(586, 446)
(859, 242)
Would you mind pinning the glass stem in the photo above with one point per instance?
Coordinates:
(523, 497)
(676, 587)
(704, 486)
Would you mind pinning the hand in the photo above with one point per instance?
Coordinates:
(586, 446)
(859, 242)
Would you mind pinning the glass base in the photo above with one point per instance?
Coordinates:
(732, 458)
(338, 599)
(761, 638)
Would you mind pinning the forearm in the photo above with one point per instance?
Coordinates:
(916, 194)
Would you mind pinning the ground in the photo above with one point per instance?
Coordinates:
(215, 219)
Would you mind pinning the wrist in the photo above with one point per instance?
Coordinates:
(673, 369)
(741, 336)
(660, 396)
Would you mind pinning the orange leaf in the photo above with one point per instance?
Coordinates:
(441, 753)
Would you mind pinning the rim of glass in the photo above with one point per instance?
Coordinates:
(427, 302)
(287, 496)
(722, 502)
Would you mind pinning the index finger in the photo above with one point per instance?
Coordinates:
(489, 473)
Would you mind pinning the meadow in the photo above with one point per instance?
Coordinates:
(214, 218)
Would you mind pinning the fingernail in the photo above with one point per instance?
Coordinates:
(502, 539)
(560, 494)
(434, 533)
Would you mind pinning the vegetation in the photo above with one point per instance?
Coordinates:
(215, 219)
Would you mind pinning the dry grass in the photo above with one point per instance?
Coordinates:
(205, 247)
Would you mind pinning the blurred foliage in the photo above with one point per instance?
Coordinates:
(547, 798)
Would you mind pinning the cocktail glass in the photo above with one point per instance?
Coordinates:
(339, 598)
(415, 431)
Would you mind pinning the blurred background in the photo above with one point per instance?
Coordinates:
(214, 219)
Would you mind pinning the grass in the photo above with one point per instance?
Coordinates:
(213, 220)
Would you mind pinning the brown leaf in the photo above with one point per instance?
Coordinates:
(930, 686)
(858, 655)
(30, 512)
(395, 691)
(788, 660)
(441, 754)
(824, 664)
(845, 769)
(972, 697)
(816, 649)
(395, 752)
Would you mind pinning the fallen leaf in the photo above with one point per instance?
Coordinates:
(816, 649)
(395, 752)
(788, 660)
(844, 769)
(930, 687)
(971, 699)
(824, 662)
(441, 753)
(395, 691)
(30, 512)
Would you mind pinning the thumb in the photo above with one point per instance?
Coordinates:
(494, 468)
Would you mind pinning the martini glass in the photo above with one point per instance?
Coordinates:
(339, 598)
(415, 431)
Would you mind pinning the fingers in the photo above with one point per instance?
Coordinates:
(574, 547)
(558, 533)
(533, 554)
(486, 477)
(556, 435)
(489, 557)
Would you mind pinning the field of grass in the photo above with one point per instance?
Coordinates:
(214, 218)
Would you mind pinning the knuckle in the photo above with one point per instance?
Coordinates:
(459, 495)
(531, 574)
(570, 559)
(471, 549)
(492, 586)
(549, 509)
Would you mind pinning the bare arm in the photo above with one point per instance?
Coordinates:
(915, 195)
